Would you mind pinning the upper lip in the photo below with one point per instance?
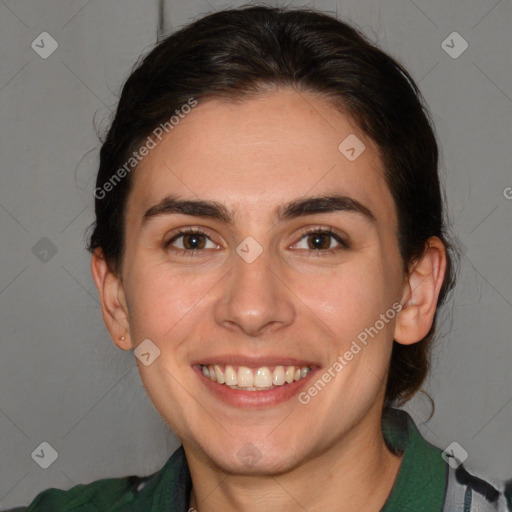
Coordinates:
(253, 362)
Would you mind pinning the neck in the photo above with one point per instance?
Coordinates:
(357, 472)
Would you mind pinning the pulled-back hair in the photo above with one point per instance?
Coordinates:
(236, 54)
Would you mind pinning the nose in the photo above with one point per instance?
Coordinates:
(256, 298)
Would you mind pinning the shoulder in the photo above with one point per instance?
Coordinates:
(169, 486)
(469, 491)
(437, 479)
(97, 496)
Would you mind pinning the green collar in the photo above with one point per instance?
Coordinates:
(419, 486)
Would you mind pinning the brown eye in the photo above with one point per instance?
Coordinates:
(194, 241)
(190, 241)
(321, 240)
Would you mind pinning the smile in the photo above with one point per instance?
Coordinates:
(254, 379)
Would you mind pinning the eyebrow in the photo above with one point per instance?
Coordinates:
(294, 209)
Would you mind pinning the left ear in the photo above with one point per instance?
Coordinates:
(420, 294)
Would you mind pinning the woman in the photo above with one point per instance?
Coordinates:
(270, 242)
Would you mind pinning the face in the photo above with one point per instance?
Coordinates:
(256, 289)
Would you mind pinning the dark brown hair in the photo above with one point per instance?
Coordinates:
(238, 53)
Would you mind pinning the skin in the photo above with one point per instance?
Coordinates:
(254, 157)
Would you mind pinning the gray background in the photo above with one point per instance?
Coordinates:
(64, 382)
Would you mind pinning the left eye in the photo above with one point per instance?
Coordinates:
(320, 240)
(191, 241)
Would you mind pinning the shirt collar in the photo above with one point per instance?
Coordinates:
(419, 486)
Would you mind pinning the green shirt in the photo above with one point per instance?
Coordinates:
(425, 483)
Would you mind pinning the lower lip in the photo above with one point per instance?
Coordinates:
(264, 398)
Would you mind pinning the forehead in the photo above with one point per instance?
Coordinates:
(260, 153)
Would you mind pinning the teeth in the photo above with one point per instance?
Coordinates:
(251, 379)
(278, 376)
(245, 377)
(218, 374)
(263, 378)
(229, 376)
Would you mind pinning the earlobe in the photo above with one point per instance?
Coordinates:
(113, 303)
(421, 293)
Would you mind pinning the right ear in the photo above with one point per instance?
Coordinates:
(113, 301)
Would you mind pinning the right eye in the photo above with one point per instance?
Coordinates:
(190, 241)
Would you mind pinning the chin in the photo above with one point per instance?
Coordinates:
(257, 458)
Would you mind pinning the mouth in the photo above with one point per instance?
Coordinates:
(263, 378)
(254, 384)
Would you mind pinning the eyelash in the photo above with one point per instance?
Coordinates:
(326, 231)
(317, 252)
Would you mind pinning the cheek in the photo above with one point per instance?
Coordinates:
(165, 303)
(348, 298)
